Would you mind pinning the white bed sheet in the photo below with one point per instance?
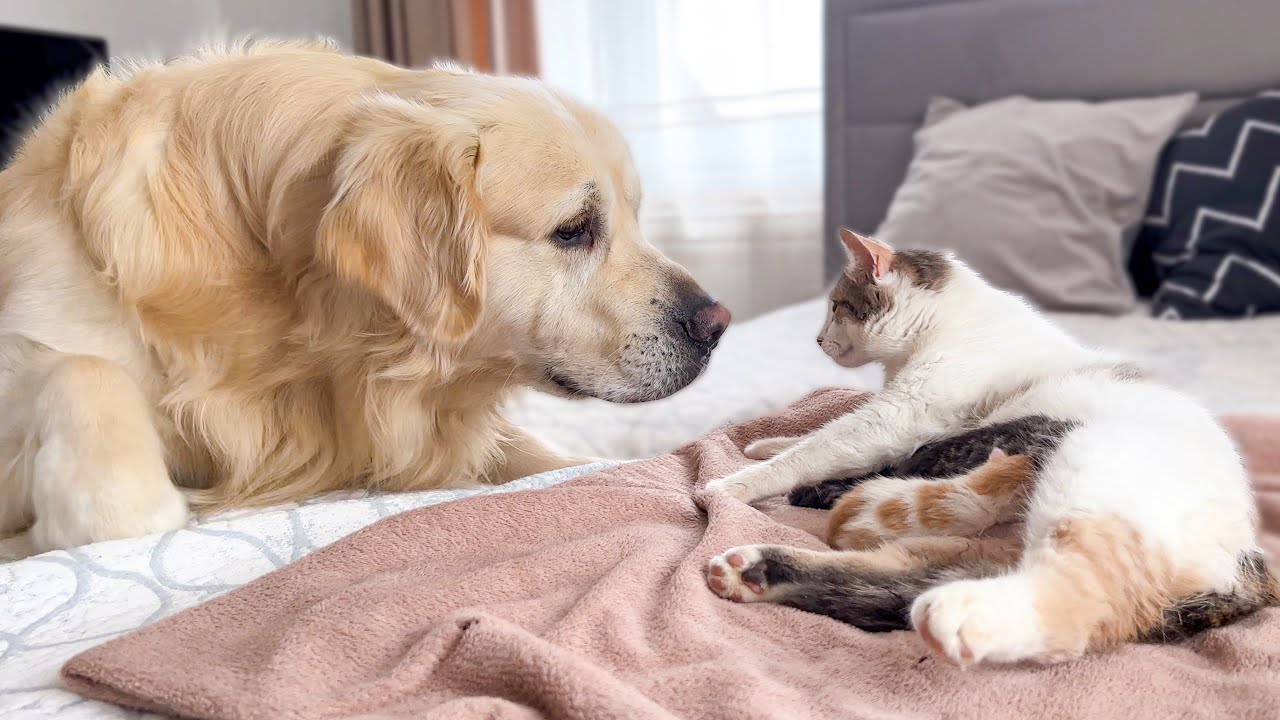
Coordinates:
(766, 363)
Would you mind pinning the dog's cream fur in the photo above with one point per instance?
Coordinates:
(265, 272)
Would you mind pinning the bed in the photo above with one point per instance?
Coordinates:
(56, 604)
(885, 58)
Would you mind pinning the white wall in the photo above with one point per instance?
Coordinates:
(291, 18)
(156, 28)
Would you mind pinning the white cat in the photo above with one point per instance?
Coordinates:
(1141, 510)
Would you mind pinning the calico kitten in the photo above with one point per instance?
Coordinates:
(1036, 436)
(1137, 520)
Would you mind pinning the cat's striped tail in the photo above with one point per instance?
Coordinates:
(1258, 588)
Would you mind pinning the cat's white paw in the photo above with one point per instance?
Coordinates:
(737, 574)
(766, 448)
(974, 621)
(732, 485)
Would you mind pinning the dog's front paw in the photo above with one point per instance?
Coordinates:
(738, 574)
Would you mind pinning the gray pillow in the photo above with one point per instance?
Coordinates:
(1036, 195)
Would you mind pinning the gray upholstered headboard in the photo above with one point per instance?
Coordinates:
(886, 58)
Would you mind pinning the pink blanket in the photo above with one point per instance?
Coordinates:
(587, 600)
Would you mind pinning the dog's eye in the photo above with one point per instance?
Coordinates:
(574, 234)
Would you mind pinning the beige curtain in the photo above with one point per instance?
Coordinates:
(721, 102)
(489, 35)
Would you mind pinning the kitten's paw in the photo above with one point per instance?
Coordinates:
(738, 574)
(974, 621)
(809, 496)
(821, 496)
(766, 448)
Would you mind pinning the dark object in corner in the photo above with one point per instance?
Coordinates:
(37, 65)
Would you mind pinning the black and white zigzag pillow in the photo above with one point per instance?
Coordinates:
(1212, 230)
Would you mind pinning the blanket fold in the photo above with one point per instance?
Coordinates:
(587, 600)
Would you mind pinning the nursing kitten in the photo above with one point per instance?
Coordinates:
(1036, 436)
(1137, 520)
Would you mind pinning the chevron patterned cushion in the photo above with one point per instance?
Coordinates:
(1210, 242)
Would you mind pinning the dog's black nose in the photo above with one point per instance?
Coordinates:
(708, 323)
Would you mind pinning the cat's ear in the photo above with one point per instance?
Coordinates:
(872, 255)
(997, 454)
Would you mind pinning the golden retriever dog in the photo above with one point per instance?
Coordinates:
(275, 270)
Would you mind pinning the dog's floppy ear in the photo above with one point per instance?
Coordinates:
(405, 220)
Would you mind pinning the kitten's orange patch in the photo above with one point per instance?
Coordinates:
(1003, 477)
(844, 530)
(919, 553)
(849, 506)
(894, 515)
(856, 538)
(931, 506)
